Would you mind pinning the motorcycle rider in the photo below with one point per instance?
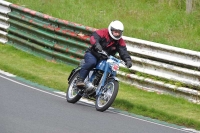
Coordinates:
(109, 40)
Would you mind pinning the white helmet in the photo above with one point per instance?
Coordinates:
(116, 25)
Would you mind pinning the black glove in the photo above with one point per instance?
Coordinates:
(103, 57)
(128, 63)
(98, 47)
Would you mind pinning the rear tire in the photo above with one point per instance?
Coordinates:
(107, 96)
(73, 93)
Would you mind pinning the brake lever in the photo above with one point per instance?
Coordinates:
(122, 62)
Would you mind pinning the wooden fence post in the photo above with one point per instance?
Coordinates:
(189, 6)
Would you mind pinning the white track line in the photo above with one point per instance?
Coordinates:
(187, 130)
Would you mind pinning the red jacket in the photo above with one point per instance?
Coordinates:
(108, 44)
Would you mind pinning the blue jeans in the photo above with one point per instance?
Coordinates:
(90, 62)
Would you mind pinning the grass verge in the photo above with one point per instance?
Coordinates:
(163, 22)
(54, 75)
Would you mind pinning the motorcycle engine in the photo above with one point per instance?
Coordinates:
(89, 86)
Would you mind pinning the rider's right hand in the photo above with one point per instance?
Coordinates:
(98, 47)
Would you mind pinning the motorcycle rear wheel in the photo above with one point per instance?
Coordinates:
(73, 93)
(107, 96)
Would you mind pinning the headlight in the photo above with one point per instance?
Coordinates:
(115, 66)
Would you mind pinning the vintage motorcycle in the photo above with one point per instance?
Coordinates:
(101, 84)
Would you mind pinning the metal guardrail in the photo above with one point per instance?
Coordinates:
(4, 10)
(46, 36)
(64, 41)
(181, 66)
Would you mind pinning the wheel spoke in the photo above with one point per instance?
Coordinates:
(105, 96)
(73, 90)
(73, 93)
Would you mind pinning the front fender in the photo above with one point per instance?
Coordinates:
(115, 78)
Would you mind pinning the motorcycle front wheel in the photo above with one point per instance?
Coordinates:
(73, 94)
(107, 96)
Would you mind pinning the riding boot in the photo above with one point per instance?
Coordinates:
(80, 82)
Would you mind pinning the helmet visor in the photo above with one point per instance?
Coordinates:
(116, 33)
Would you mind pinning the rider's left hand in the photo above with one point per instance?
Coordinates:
(129, 64)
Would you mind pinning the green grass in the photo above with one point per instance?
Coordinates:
(54, 75)
(166, 22)
(34, 69)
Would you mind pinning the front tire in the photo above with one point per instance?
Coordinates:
(73, 93)
(107, 96)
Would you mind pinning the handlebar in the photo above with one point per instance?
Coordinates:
(122, 62)
(105, 53)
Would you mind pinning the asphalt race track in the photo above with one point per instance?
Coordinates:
(26, 108)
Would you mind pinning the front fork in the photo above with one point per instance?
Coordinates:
(102, 81)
